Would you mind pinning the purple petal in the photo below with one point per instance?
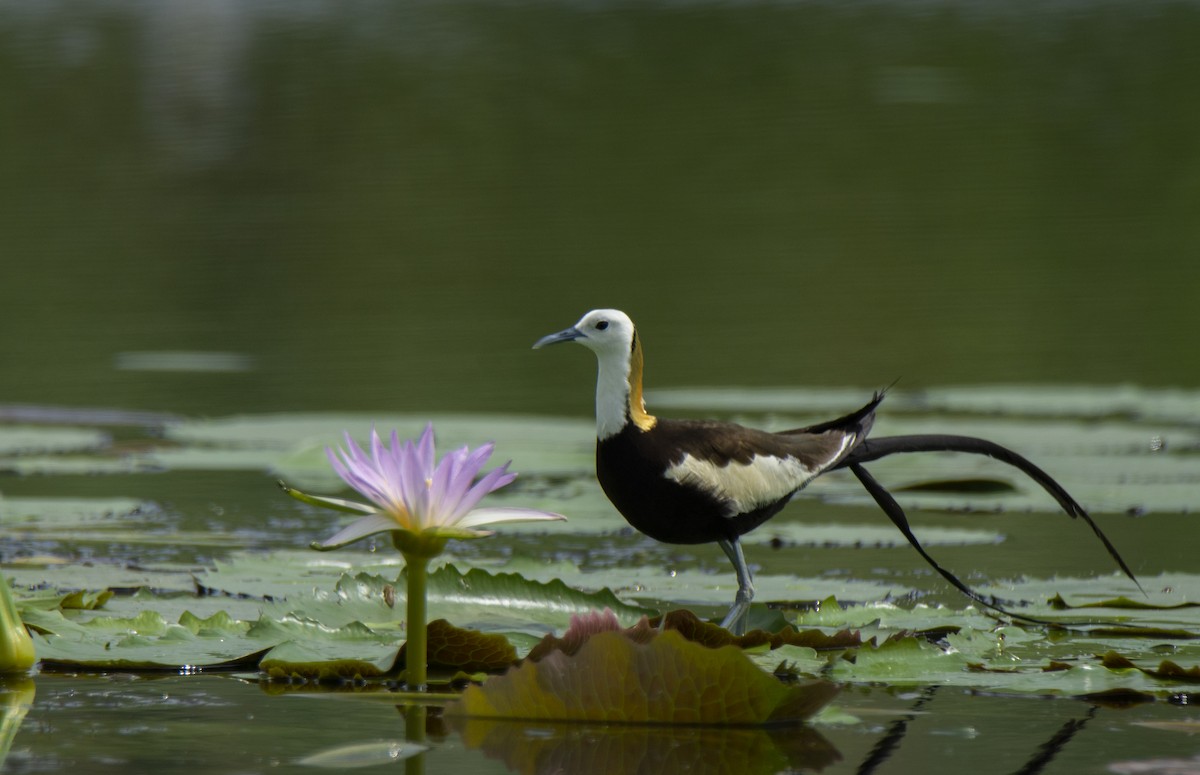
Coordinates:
(490, 516)
(489, 482)
(473, 461)
(354, 473)
(359, 529)
(426, 452)
(444, 489)
(460, 472)
(412, 483)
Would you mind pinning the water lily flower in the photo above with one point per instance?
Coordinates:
(423, 503)
(411, 493)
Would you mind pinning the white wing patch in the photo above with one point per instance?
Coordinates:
(747, 486)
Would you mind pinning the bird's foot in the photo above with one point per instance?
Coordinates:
(735, 620)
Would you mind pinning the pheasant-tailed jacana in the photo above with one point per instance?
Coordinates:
(700, 481)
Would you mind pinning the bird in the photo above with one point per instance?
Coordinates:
(689, 481)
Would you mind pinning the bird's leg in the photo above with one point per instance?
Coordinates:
(896, 514)
(735, 620)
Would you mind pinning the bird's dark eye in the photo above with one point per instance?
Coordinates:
(603, 324)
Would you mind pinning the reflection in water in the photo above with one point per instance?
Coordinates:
(16, 698)
(194, 84)
(887, 745)
(611, 750)
(416, 719)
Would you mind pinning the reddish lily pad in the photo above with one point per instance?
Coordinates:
(468, 650)
(668, 680)
(1167, 670)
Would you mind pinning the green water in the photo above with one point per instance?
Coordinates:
(212, 208)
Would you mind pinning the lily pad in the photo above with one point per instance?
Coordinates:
(470, 651)
(36, 514)
(541, 444)
(145, 642)
(669, 680)
(77, 465)
(42, 439)
(683, 586)
(793, 533)
(323, 660)
(352, 585)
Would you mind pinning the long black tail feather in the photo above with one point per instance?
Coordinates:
(875, 448)
(896, 514)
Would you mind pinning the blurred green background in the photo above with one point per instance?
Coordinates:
(372, 205)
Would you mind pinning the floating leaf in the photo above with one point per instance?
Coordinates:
(82, 600)
(477, 598)
(693, 629)
(297, 441)
(1187, 726)
(1167, 670)
(145, 642)
(792, 533)
(692, 586)
(40, 439)
(467, 650)
(326, 660)
(38, 514)
(1059, 604)
(901, 660)
(668, 680)
(584, 627)
(715, 636)
(1156, 766)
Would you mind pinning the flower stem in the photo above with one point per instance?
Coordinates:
(416, 647)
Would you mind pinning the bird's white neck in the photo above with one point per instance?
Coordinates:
(619, 392)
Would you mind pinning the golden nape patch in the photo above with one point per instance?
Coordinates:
(637, 404)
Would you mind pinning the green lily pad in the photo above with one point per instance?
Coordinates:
(55, 577)
(35, 514)
(344, 586)
(145, 642)
(668, 680)
(1066, 401)
(77, 465)
(1089, 401)
(792, 533)
(476, 600)
(676, 586)
(42, 439)
(298, 441)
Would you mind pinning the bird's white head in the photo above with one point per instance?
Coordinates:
(610, 334)
(603, 331)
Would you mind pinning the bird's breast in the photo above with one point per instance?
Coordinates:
(742, 487)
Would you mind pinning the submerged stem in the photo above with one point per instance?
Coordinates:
(414, 732)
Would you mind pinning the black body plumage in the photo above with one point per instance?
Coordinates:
(632, 467)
